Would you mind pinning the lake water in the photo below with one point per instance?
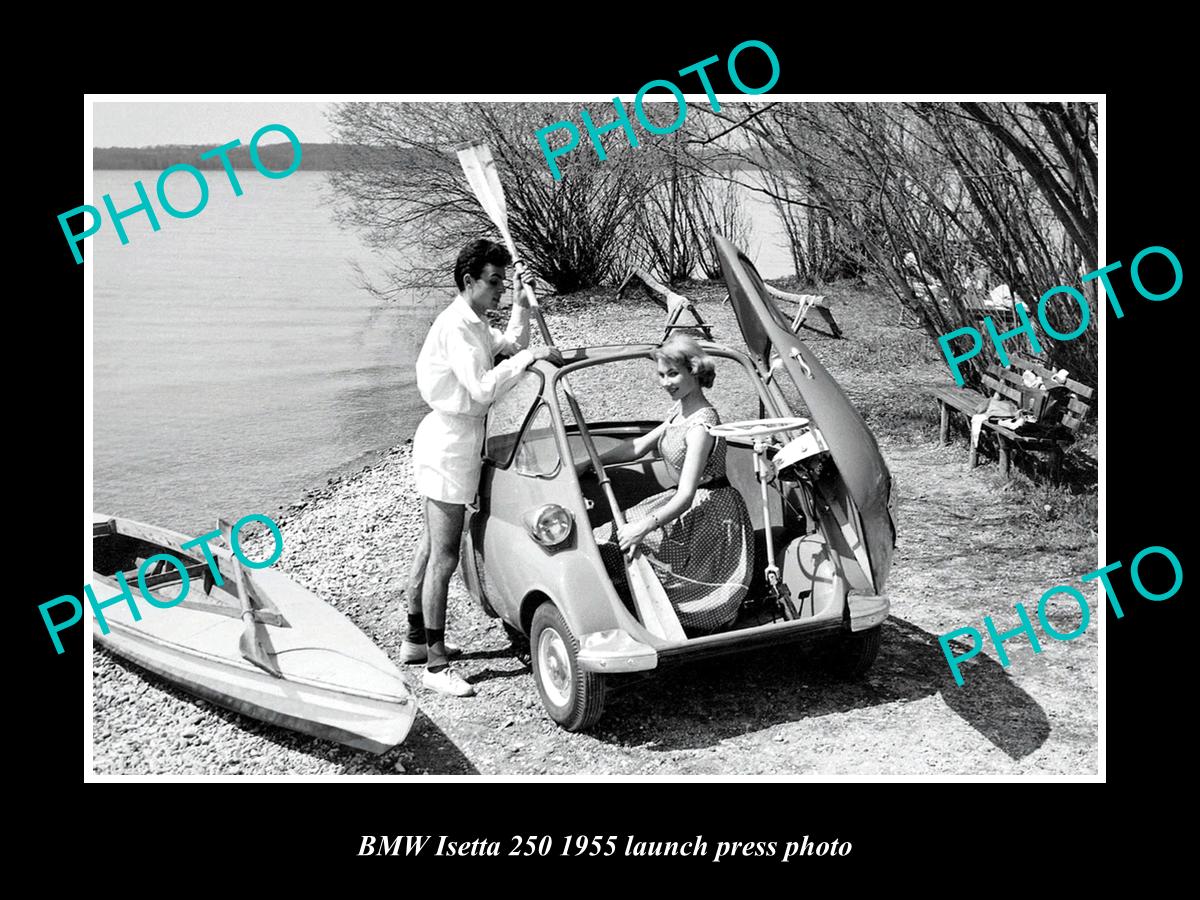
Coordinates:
(238, 362)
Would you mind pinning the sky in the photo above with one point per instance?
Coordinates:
(145, 124)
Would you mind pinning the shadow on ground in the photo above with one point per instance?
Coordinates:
(426, 751)
(718, 699)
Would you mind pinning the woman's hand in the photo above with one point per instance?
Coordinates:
(551, 353)
(633, 533)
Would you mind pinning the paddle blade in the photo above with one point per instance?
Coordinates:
(254, 641)
(480, 169)
(656, 611)
(252, 649)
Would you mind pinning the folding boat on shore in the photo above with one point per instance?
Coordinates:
(317, 672)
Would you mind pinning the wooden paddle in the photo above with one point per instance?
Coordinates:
(651, 601)
(254, 635)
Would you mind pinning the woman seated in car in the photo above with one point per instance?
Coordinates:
(697, 535)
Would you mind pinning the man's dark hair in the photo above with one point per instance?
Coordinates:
(475, 256)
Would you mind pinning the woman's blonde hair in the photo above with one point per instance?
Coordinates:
(682, 350)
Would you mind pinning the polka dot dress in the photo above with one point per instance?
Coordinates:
(703, 558)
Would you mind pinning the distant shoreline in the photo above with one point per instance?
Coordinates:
(314, 158)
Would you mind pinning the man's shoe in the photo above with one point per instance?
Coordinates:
(447, 681)
(418, 653)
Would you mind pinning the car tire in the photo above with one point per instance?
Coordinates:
(853, 653)
(573, 698)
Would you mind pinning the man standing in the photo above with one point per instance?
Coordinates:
(456, 378)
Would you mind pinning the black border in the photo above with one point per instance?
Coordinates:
(309, 828)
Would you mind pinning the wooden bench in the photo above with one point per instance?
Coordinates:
(1007, 382)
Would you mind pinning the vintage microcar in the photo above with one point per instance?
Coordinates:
(529, 556)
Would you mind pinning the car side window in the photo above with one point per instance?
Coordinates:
(538, 453)
(508, 414)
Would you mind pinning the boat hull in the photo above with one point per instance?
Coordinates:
(337, 684)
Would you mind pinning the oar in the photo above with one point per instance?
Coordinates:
(254, 635)
(651, 601)
(658, 615)
(480, 169)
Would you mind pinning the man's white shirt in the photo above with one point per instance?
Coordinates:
(454, 368)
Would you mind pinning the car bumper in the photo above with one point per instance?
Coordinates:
(867, 610)
(742, 640)
(615, 651)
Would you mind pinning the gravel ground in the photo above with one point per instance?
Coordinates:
(970, 545)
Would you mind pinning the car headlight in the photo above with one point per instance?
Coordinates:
(549, 525)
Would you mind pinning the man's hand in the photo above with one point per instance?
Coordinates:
(522, 277)
(550, 353)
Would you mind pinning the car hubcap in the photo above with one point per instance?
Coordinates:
(554, 667)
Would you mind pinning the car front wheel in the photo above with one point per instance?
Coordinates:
(574, 698)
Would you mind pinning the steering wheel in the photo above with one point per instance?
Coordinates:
(753, 428)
